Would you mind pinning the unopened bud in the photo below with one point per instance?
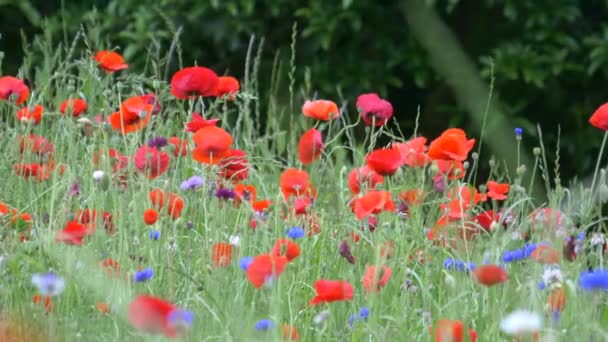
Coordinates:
(475, 155)
(521, 170)
(465, 165)
(491, 162)
(536, 151)
(603, 193)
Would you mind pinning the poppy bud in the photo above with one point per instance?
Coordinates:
(521, 170)
(603, 193)
(536, 151)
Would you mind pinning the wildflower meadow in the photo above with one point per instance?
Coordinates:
(139, 207)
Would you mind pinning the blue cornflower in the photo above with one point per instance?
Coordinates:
(470, 267)
(448, 263)
(264, 324)
(581, 236)
(352, 319)
(144, 275)
(295, 232)
(507, 256)
(364, 313)
(182, 318)
(459, 265)
(542, 285)
(48, 284)
(192, 183)
(597, 280)
(517, 254)
(154, 235)
(528, 249)
(245, 262)
(519, 131)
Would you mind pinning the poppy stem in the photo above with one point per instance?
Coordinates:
(597, 167)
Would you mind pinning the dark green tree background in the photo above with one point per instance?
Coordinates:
(549, 57)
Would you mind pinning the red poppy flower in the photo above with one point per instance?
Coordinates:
(286, 248)
(111, 267)
(245, 193)
(265, 267)
(199, 122)
(544, 254)
(556, 301)
(150, 216)
(374, 109)
(234, 166)
(413, 152)
(212, 144)
(452, 331)
(38, 145)
(35, 114)
(72, 234)
(363, 177)
(289, 332)
(310, 146)
(222, 254)
(88, 218)
(134, 114)
(373, 202)
(332, 291)
(37, 171)
(110, 61)
(462, 199)
(450, 168)
(323, 110)
(108, 223)
(157, 197)
(294, 182)
(452, 144)
(150, 161)
(489, 275)
(180, 147)
(301, 205)
(497, 191)
(412, 197)
(227, 85)
(194, 81)
(261, 205)
(13, 87)
(37, 299)
(385, 161)
(483, 220)
(74, 106)
(175, 205)
(599, 118)
(372, 281)
(152, 315)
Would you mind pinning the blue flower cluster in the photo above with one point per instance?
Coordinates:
(459, 265)
(362, 315)
(519, 254)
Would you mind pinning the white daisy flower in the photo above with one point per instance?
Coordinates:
(521, 322)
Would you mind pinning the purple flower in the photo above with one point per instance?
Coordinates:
(144, 275)
(75, 189)
(158, 142)
(519, 131)
(48, 284)
(192, 183)
(345, 252)
(225, 194)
